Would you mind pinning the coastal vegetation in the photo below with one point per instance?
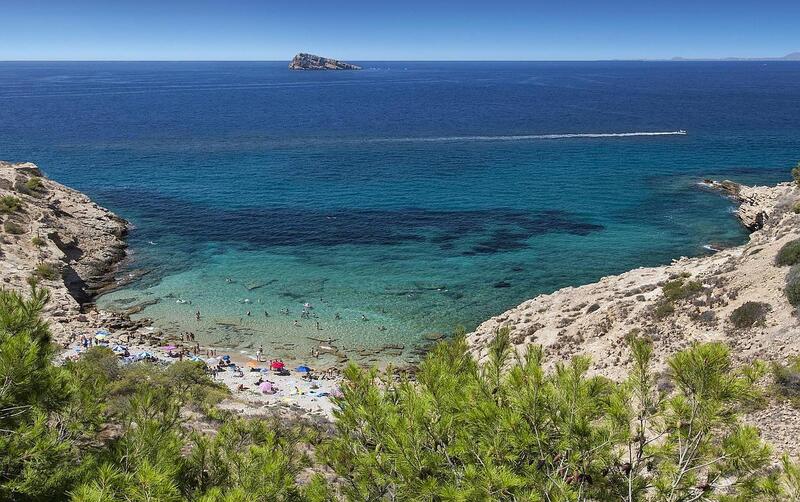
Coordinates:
(749, 314)
(787, 380)
(789, 254)
(792, 288)
(675, 290)
(10, 204)
(508, 428)
(13, 228)
(46, 271)
(796, 173)
(34, 183)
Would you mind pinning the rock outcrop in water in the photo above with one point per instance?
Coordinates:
(305, 61)
(697, 306)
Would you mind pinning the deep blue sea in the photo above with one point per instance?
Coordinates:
(422, 196)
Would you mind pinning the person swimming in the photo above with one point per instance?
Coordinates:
(363, 317)
(197, 315)
(337, 316)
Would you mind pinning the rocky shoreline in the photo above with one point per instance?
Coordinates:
(689, 300)
(73, 247)
(58, 236)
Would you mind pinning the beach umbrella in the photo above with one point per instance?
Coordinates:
(212, 361)
(277, 365)
(252, 364)
(303, 368)
(226, 357)
(118, 348)
(102, 332)
(169, 347)
(196, 359)
(267, 388)
(101, 336)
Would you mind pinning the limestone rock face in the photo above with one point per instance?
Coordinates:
(80, 241)
(596, 318)
(305, 61)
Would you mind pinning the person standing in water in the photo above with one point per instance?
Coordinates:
(197, 315)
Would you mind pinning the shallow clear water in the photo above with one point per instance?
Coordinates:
(420, 195)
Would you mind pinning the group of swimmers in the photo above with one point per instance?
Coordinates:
(305, 314)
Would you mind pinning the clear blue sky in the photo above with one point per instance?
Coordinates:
(396, 30)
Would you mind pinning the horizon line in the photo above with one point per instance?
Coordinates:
(674, 59)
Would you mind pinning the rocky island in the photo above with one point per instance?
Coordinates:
(305, 61)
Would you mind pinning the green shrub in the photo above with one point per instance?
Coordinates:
(750, 314)
(792, 289)
(664, 309)
(34, 183)
(787, 379)
(38, 241)
(796, 173)
(47, 271)
(13, 228)
(796, 208)
(789, 254)
(680, 289)
(10, 204)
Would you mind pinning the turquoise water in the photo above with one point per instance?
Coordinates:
(420, 195)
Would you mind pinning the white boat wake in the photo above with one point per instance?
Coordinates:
(523, 137)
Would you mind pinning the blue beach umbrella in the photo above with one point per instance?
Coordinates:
(303, 369)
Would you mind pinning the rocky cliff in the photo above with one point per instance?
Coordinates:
(690, 300)
(305, 61)
(58, 236)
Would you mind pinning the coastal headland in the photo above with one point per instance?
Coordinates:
(736, 296)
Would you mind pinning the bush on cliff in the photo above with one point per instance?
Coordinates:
(787, 379)
(789, 254)
(680, 289)
(13, 228)
(46, 271)
(792, 288)
(750, 314)
(34, 183)
(9, 204)
(796, 173)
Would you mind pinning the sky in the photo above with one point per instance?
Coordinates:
(380, 30)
